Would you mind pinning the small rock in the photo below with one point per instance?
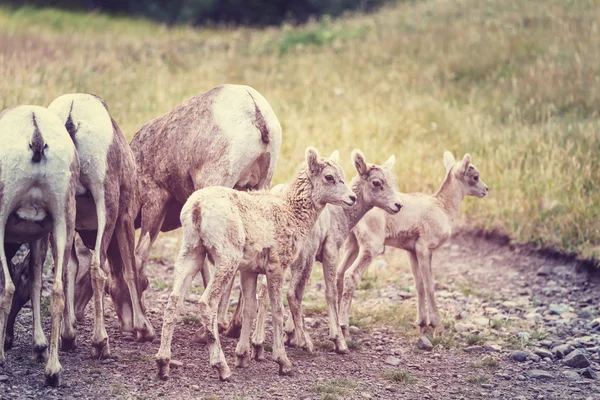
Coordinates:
(463, 315)
(562, 350)
(390, 388)
(366, 395)
(576, 359)
(535, 317)
(487, 386)
(3, 378)
(393, 361)
(521, 377)
(519, 356)
(107, 361)
(424, 344)
(464, 327)
(353, 329)
(175, 364)
(589, 373)
(195, 387)
(481, 321)
(539, 374)
(524, 336)
(492, 347)
(543, 353)
(474, 349)
(558, 309)
(570, 375)
(544, 270)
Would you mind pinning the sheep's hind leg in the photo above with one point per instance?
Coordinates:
(258, 337)
(275, 285)
(38, 249)
(189, 261)
(242, 352)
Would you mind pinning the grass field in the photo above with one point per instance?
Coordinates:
(515, 83)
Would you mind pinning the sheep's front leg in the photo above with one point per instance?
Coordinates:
(189, 261)
(362, 262)
(258, 337)
(38, 250)
(330, 260)
(242, 352)
(421, 321)
(275, 286)
(300, 275)
(424, 255)
(9, 290)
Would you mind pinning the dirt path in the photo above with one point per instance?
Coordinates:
(495, 303)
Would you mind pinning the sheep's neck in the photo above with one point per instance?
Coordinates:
(355, 213)
(450, 195)
(301, 204)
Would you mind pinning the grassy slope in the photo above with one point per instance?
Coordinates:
(515, 83)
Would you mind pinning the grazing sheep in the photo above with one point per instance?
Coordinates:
(106, 209)
(39, 170)
(228, 136)
(374, 186)
(257, 233)
(423, 226)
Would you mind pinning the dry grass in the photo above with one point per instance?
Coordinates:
(515, 83)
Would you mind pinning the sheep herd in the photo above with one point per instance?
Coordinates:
(207, 167)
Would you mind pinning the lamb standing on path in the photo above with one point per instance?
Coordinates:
(39, 171)
(423, 226)
(106, 209)
(374, 186)
(257, 233)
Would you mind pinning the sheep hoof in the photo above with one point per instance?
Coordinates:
(40, 352)
(285, 369)
(53, 379)
(8, 342)
(68, 343)
(233, 331)
(164, 368)
(242, 360)
(224, 371)
(101, 350)
(144, 335)
(259, 352)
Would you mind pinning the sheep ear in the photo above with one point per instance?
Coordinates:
(449, 160)
(389, 164)
(466, 161)
(335, 156)
(359, 162)
(312, 160)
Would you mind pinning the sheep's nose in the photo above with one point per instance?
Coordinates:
(353, 198)
(398, 206)
(487, 189)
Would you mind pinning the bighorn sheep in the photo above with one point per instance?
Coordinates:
(374, 186)
(39, 170)
(255, 232)
(106, 209)
(228, 136)
(421, 228)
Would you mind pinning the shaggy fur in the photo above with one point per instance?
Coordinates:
(374, 186)
(422, 227)
(257, 233)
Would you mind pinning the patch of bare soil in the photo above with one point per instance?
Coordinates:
(496, 301)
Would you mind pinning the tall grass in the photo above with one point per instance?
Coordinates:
(515, 83)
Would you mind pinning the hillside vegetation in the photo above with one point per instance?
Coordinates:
(515, 83)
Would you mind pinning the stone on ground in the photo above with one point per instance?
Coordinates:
(424, 344)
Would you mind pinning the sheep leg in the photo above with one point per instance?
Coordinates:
(424, 255)
(125, 234)
(258, 337)
(83, 287)
(242, 352)
(9, 288)
(298, 337)
(69, 334)
(189, 262)
(421, 321)
(61, 240)
(223, 305)
(235, 325)
(330, 260)
(350, 252)
(225, 269)
(351, 281)
(275, 286)
(38, 251)
(21, 296)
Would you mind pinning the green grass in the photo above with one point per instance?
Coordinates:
(403, 80)
(191, 320)
(335, 389)
(486, 363)
(398, 376)
(473, 340)
(161, 285)
(478, 379)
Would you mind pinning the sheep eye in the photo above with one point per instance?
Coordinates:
(376, 183)
(476, 178)
(329, 178)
